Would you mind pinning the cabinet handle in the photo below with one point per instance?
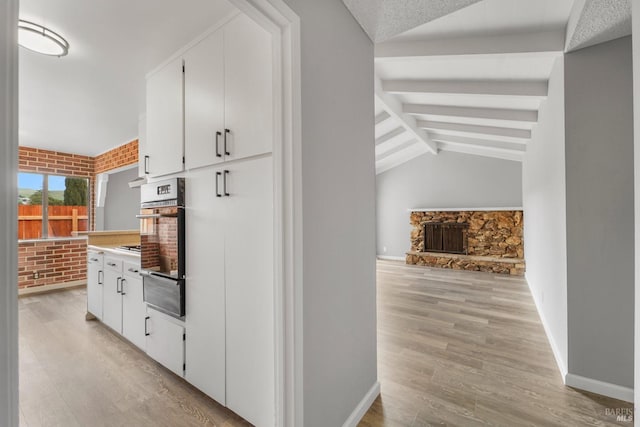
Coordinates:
(224, 179)
(100, 277)
(122, 286)
(118, 285)
(94, 260)
(217, 190)
(226, 132)
(133, 270)
(146, 334)
(218, 134)
(111, 264)
(146, 165)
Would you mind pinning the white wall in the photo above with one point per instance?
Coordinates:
(600, 216)
(338, 185)
(448, 180)
(636, 137)
(543, 197)
(8, 214)
(122, 203)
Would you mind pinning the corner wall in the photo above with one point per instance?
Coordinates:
(338, 187)
(543, 197)
(600, 215)
(635, 8)
(448, 180)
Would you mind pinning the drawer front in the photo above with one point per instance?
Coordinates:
(95, 258)
(113, 264)
(132, 269)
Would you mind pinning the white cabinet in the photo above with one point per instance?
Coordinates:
(95, 279)
(165, 124)
(214, 103)
(143, 155)
(204, 102)
(248, 97)
(133, 305)
(165, 340)
(248, 270)
(112, 299)
(205, 295)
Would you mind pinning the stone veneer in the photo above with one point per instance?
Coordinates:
(494, 241)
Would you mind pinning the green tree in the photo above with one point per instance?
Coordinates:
(75, 192)
(36, 199)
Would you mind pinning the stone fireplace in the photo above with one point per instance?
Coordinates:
(476, 240)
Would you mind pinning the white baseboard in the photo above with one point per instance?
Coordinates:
(600, 387)
(48, 288)
(562, 365)
(363, 406)
(391, 258)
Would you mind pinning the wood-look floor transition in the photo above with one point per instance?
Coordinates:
(455, 348)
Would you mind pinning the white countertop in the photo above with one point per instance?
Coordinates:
(463, 209)
(113, 251)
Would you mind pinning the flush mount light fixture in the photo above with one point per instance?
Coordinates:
(40, 39)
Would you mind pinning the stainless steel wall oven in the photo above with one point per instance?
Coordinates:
(162, 253)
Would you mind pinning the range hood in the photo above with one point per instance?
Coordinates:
(138, 182)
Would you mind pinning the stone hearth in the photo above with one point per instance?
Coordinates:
(494, 241)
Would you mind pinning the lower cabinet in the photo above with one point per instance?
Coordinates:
(123, 307)
(95, 281)
(165, 337)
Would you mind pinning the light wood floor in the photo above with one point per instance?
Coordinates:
(455, 348)
(467, 349)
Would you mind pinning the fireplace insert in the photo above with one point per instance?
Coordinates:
(448, 237)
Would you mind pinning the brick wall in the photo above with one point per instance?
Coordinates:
(123, 155)
(61, 261)
(55, 261)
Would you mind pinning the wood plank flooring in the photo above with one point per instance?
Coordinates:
(467, 349)
(455, 348)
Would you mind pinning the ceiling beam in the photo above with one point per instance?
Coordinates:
(400, 157)
(471, 112)
(390, 135)
(525, 88)
(546, 43)
(482, 151)
(394, 150)
(393, 107)
(476, 142)
(382, 117)
(484, 130)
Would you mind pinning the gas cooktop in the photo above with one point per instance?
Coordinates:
(130, 248)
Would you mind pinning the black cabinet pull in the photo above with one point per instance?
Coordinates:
(122, 285)
(218, 134)
(226, 132)
(100, 277)
(146, 165)
(224, 179)
(146, 334)
(217, 190)
(118, 284)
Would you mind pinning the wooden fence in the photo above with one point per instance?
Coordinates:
(63, 221)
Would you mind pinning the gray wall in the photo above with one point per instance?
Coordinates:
(600, 211)
(338, 184)
(122, 203)
(448, 180)
(544, 202)
(8, 214)
(636, 136)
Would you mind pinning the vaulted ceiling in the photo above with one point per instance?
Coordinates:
(471, 76)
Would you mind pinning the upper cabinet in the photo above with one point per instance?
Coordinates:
(165, 120)
(214, 103)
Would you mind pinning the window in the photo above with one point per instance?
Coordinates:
(51, 206)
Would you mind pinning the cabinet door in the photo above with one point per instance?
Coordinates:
(112, 298)
(134, 310)
(205, 293)
(142, 145)
(165, 342)
(165, 121)
(95, 279)
(248, 88)
(249, 288)
(204, 102)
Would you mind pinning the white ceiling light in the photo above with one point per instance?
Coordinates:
(40, 39)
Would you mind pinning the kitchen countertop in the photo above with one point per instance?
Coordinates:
(113, 250)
